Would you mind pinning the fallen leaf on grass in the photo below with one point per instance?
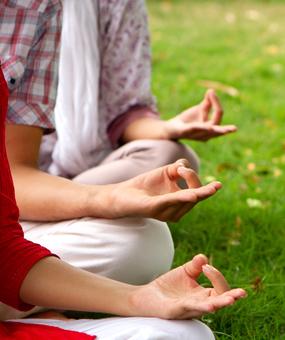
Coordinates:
(273, 28)
(215, 85)
(283, 144)
(243, 187)
(277, 172)
(251, 166)
(272, 49)
(255, 179)
(234, 243)
(248, 152)
(209, 179)
(238, 221)
(166, 6)
(257, 284)
(277, 68)
(253, 14)
(270, 123)
(225, 166)
(230, 18)
(254, 203)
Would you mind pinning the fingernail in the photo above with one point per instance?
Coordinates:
(182, 168)
(209, 268)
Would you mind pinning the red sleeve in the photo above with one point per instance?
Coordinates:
(20, 331)
(17, 255)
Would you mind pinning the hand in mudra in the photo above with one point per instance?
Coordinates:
(178, 295)
(156, 194)
(201, 122)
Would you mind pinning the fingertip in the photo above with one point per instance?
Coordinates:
(211, 91)
(218, 185)
(241, 293)
(215, 184)
(182, 162)
(201, 258)
(210, 308)
(182, 171)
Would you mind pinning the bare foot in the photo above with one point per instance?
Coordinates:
(54, 315)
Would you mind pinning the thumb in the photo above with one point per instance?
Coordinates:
(172, 169)
(195, 267)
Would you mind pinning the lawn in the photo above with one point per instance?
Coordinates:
(240, 46)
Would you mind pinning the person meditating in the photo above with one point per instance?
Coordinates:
(31, 275)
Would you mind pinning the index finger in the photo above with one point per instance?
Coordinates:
(217, 107)
(190, 177)
(217, 279)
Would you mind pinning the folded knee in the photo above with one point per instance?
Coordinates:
(133, 250)
(166, 151)
(146, 253)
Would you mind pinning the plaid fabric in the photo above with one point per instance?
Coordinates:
(29, 48)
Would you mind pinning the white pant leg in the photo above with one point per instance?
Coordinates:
(134, 328)
(132, 250)
(135, 158)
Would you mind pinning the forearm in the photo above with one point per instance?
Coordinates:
(40, 196)
(43, 197)
(145, 128)
(53, 283)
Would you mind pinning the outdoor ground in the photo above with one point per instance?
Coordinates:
(239, 45)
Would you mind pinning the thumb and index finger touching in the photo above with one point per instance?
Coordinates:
(211, 101)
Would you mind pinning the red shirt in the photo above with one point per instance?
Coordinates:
(17, 255)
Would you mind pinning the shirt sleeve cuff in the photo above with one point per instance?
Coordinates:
(117, 126)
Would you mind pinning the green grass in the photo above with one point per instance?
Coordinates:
(241, 44)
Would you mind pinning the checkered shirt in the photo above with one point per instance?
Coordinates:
(29, 50)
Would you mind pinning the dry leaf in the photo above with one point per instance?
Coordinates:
(257, 283)
(209, 179)
(234, 242)
(277, 172)
(272, 49)
(248, 152)
(243, 187)
(251, 166)
(215, 85)
(238, 221)
(166, 6)
(270, 123)
(255, 179)
(254, 203)
(225, 166)
(253, 14)
(277, 68)
(230, 18)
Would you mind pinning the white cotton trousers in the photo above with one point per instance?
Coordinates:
(133, 328)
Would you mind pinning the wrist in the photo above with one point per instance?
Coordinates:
(99, 201)
(145, 128)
